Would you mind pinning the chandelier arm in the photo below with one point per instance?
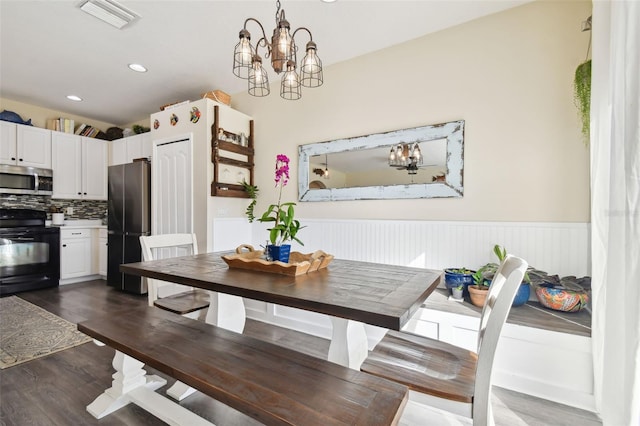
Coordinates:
(305, 29)
(264, 35)
(264, 43)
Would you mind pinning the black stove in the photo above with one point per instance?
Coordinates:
(29, 251)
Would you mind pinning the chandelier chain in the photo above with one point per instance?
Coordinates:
(277, 10)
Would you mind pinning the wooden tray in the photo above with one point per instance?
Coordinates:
(299, 263)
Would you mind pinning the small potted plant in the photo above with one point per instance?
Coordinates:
(478, 291)
(285, 227)
(457, 292)
(487, 272)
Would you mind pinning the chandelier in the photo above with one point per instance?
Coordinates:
(282, 50)
(406, 157)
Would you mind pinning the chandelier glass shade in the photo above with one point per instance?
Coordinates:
(282, 51)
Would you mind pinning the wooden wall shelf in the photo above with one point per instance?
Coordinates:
(218, 148)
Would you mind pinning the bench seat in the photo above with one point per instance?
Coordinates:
(272, 384)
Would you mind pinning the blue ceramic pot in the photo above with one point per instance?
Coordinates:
(280, 252)
(454, 279)
(522, 295)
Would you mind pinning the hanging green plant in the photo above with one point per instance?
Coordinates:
(582, 95)
(252, 190)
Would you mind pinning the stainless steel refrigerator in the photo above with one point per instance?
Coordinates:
(129, 217)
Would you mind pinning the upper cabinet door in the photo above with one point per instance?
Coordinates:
(67, 165)
(8, 153)
(95, 156)
(34, 147)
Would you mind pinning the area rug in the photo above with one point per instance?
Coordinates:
(28, 332)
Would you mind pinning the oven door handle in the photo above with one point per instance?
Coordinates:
(23, 239)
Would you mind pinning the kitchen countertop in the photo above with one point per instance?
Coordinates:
(79, 223)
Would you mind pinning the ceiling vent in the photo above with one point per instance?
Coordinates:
(109, 11)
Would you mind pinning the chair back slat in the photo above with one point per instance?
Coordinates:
(502, 292)
(164, 246)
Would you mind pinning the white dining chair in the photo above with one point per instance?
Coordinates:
(447, 379)
(180, 299)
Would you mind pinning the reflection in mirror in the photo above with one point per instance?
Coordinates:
(422, 162)
(371, 167)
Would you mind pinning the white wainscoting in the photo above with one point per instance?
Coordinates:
(557, 248)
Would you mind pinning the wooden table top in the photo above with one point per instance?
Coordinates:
(382, 295)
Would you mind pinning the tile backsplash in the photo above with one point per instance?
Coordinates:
(82, 209)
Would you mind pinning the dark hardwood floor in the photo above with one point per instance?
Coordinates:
(55, 390)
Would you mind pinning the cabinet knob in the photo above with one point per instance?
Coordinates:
(85, 193)
(20, 159)
(64, 245)
(13, 158)
(79, 193)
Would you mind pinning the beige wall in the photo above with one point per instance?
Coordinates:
(509, 75)
(40, 115)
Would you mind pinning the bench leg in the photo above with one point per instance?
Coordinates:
(349, 345)
(226, 311)
(129, 375)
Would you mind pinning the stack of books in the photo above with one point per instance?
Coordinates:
(87, 130)
(61, 124)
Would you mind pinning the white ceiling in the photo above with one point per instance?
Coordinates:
(50, 49)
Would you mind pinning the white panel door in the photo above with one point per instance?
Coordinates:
(171, 187)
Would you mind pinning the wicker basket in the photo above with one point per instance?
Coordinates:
(218, 96)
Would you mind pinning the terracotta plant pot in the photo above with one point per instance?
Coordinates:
(478, 294)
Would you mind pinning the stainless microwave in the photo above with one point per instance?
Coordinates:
(25, 180)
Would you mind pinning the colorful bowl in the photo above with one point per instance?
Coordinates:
(561, 299)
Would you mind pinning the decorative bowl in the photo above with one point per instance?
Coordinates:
(560, 298)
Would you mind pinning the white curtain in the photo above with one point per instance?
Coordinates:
(615, 210)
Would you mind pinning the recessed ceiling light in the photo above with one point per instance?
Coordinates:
(328, 1)
(74, 98)
(137, 68)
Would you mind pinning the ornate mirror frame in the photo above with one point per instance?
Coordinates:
(452, 186)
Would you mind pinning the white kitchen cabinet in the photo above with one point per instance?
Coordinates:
(102, 252)
(79, 167)
(25, 145)
(76, 256)
(125, 150)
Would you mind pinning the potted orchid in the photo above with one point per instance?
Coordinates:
(285, 226)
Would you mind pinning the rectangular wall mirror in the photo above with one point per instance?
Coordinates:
(421, 162)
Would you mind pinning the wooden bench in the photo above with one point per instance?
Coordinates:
(274, 385)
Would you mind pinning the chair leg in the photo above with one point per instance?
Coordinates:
(152, 290)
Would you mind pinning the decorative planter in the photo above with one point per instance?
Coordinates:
(453, 279)
(280, 253)
(478, 294)
(559, 298)
(522, 295)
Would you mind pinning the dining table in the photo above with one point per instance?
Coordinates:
(352, 293)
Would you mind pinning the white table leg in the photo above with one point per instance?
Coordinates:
(129, 375)
(348, 343)
(226, 311)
